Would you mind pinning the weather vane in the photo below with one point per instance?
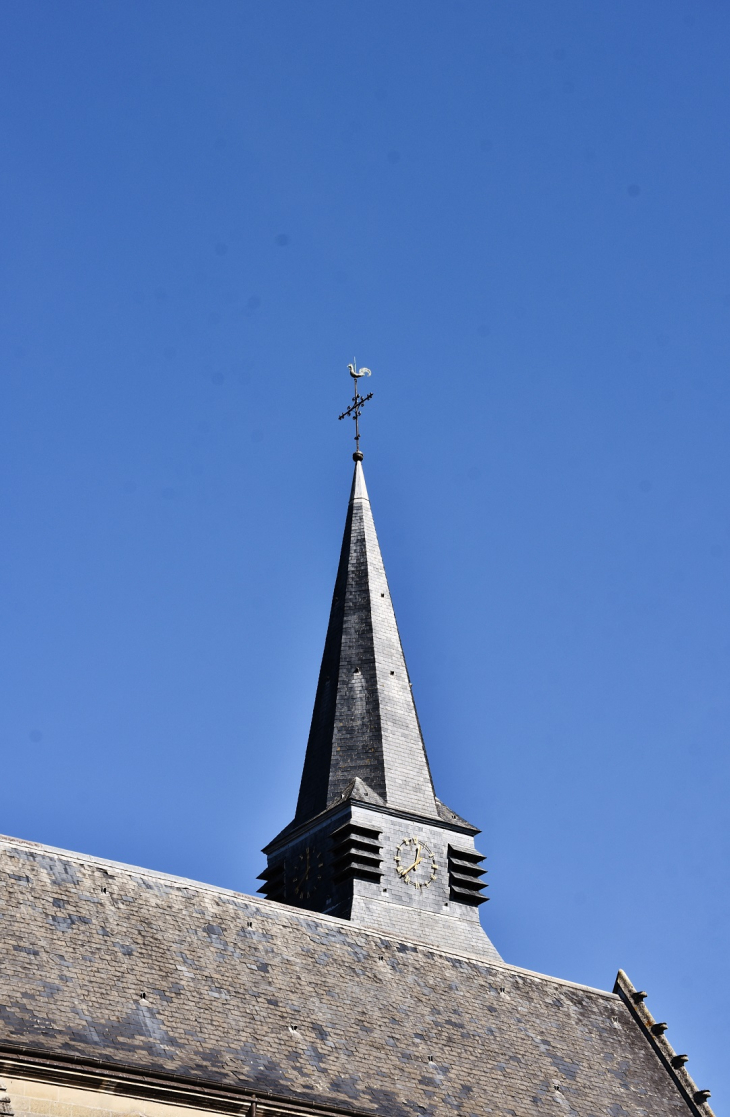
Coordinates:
(357, 404)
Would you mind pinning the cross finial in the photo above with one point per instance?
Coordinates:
(357, 404)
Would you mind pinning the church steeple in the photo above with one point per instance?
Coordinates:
(364, 724)
(370, 841)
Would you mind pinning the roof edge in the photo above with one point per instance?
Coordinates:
(127, 1080)
(653, 1031)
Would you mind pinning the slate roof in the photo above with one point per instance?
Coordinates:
(364, 722)
(105, 963)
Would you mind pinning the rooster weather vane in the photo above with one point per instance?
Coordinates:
(358, 401)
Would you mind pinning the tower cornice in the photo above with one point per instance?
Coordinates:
(292, 834)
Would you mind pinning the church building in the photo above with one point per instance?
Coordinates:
(360, 982)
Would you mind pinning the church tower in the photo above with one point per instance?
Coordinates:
(362, 986)
(370, 841)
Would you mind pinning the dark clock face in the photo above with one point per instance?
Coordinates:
(307, 873)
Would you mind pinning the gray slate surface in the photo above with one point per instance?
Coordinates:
(364, 722)
(227, 978)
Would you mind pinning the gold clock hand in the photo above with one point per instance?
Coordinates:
(416, 862)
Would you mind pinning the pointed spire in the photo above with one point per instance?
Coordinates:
(365, 724)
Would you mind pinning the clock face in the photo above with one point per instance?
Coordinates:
(415, 863)
(307, 874)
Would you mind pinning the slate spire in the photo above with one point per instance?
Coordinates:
(365, 724)
(370, 842)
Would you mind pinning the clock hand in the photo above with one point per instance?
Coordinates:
(415, 864)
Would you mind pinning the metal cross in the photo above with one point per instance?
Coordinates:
(357, 404)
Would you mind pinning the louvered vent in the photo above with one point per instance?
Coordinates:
(273, 878)
(464, 873)
(356, 852)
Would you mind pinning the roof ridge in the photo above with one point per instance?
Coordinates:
(300, 913)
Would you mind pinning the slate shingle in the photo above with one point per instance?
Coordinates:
(229, 989)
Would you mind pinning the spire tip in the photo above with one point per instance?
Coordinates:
(358, 401)
(358, 456)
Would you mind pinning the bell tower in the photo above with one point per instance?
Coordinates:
(370, 841)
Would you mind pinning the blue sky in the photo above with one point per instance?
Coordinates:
(517, 215)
